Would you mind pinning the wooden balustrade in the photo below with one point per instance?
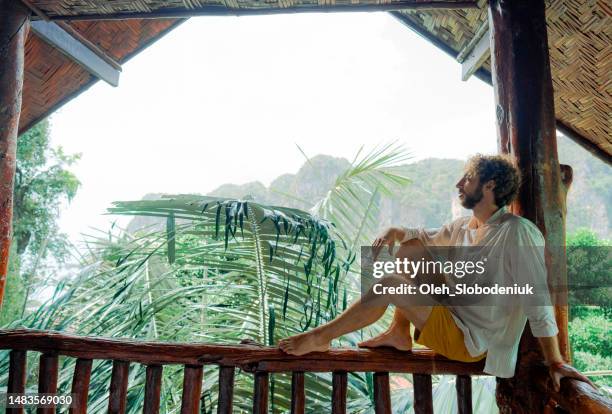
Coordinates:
(258, 360)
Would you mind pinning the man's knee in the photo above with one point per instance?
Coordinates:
(411, 249)
(413, 242)
(392, 281)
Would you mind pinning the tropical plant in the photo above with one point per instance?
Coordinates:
(235, 270)
(238, 270)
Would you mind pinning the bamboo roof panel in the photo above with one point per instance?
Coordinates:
(51, 79)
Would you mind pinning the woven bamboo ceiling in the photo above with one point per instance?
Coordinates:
(580, 41)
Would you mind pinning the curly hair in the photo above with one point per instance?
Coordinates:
(502, 170)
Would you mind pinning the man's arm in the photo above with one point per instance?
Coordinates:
(389, 237)
(557, 367)
(550, 350)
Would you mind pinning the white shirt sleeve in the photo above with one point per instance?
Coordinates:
(429, 237)
(531, 268)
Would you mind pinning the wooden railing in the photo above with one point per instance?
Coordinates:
(255, 359)
(258, 360)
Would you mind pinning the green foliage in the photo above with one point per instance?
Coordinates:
(591, 334)
(275, 258)
(42, 183)
(585, 238)
(585, 362)
(589, 264)
(589, 270)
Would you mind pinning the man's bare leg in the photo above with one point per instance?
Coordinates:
(398, 333)
(355, 317)
(396, 336)
(363, 312)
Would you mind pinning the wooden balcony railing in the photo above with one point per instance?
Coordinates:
(252, 358)
(255, 359)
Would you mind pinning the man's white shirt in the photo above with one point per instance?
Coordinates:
(497, 329)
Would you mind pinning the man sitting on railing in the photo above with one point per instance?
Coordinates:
(463, 333)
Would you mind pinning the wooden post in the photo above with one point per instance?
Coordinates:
(226, 390)
(522, 83)
(47, 380)
(298, 395)
(80, 386)
(260, 393)
(339, 384)
(153, 385)
(14, 21)
(382, 393)
(17, 377)
(117, 394)
(423, 397)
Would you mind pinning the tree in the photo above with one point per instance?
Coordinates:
(42, 183)
(589, 266)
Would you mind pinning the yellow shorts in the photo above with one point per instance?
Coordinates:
(443, 336)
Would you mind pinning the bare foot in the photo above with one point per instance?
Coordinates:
(395, 338)
(304, 343)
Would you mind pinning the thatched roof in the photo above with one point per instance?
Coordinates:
(580, 40)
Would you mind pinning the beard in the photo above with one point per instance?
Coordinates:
(470, 200)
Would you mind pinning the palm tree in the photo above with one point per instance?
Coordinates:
(223, 270)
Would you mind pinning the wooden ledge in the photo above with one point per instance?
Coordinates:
(248, 357)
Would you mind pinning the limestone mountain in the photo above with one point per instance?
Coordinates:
(431, 198)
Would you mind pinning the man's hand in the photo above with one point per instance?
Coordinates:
(388, 238)
(561, 370)
(557, 368)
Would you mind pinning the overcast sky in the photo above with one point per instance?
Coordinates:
(226, 100)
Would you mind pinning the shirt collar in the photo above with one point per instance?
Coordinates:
(492, 221)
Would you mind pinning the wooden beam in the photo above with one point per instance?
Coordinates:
(523, 89)
(382, 393)
(90, 58)
(38, 12)
(475, 53)
(210, 10)
(14, 18)
(225, 400)
(587, 145)
(463, 385)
